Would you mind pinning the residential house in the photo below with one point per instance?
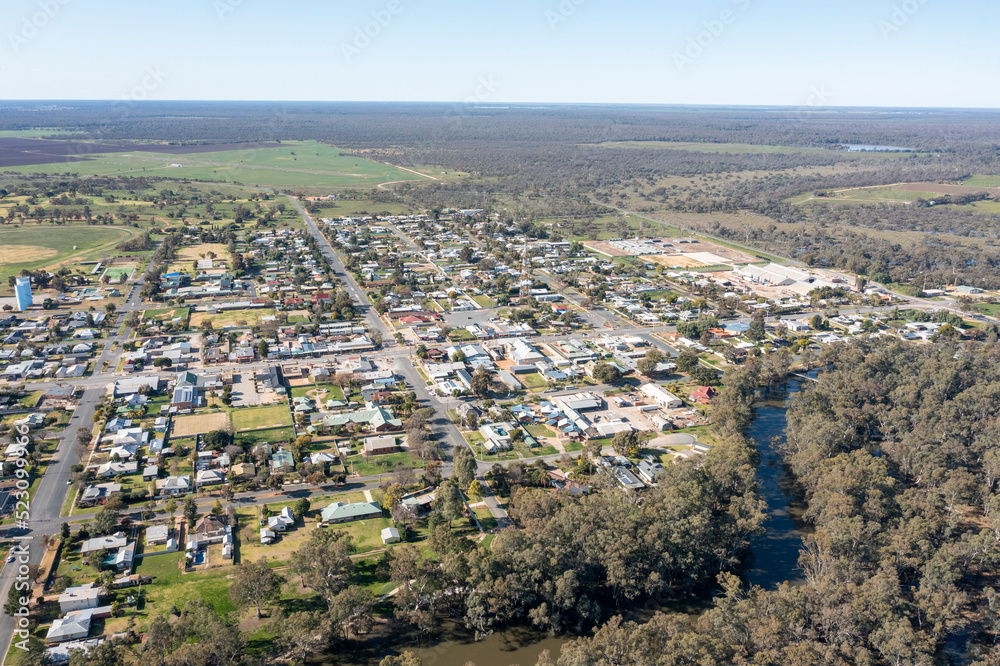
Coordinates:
(282, 462)
(282, 521)
(340, 512)
(80, 597)
(380, 445)
(70, 628)
(174, 485)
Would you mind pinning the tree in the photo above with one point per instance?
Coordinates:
(756, 332)
(324, 563)
(687, 361)
(475, 489)
(106, 521)
(482, 382)
(190, 511)
(448, 501)
(262, 349)
(465, 465)
(301, 507)
(647, 364)
(217, 508)
(405, 659)
(162, 362)
(626, 443)
(607, 373)
(303, 633)
(254, 584)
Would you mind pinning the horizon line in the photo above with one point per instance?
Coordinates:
(496, 104)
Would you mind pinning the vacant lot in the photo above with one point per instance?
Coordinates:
(253, 418)
(230, 317)
(165, 314)
(199, 424)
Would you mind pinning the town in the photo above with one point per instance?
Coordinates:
(239, 386)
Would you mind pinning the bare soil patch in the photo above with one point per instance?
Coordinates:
(19, 254)
(199, 424)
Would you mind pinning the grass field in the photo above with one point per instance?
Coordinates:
(270, 416)
(533, 380)
(230, 317)
(380, 464)
(303, 164)
(485, 301)
(983, 181)
(165, 314)
(270, 435)
(37, 247)
(199, 424)
(117, 273)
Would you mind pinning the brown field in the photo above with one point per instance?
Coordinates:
(192, 252)
(938, 188)
(675, 260)
(605, 248)
(19, 254)
(199, 424)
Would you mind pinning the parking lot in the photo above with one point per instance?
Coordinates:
(244, 393)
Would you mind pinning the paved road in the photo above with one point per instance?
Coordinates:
(442, 429)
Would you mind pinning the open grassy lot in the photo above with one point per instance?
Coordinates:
(269, 435)
(370, 466)
(37, 247)
(231, 317)
(533, 380)
(485, 301)
(269, 416)
(199, 424)
(165, 314)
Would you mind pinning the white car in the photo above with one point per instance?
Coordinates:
(10, 558)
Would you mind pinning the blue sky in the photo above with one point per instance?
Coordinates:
(780, 52)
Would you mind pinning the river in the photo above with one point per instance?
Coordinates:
(775, 560)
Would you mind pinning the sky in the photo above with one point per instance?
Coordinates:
(923, 53)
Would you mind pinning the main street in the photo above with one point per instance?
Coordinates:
(443, 430)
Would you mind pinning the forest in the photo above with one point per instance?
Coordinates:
(894, 454)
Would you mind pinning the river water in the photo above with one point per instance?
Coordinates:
(775, 560)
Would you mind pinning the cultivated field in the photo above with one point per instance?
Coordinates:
(199, 424)
(303, 164)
